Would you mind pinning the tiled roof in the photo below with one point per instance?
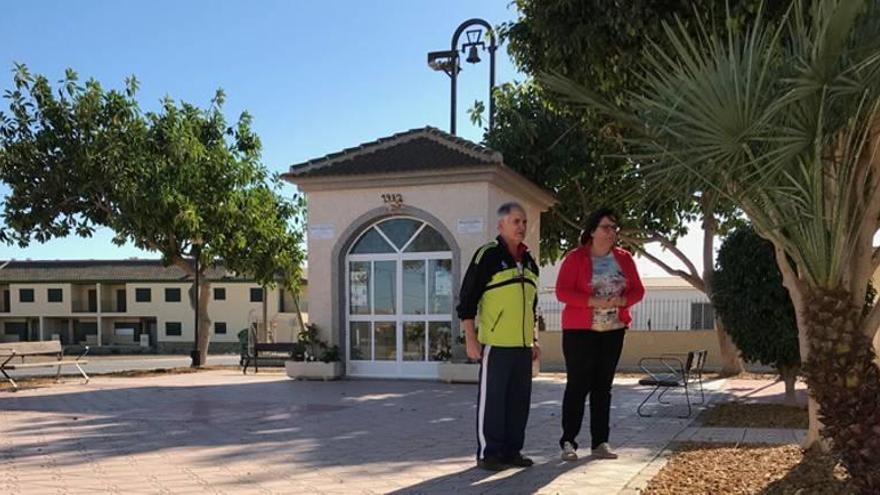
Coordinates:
(136, 270)
(420, 149)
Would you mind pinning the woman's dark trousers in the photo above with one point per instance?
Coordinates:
(590, 362)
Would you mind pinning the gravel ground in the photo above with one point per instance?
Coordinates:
(729, 469)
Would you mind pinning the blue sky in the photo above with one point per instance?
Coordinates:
(317, 76)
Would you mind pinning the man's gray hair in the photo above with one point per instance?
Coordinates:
(508, 207)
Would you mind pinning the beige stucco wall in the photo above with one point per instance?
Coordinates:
(446, 202)
(235, 311)
(163, 311)
(638, 344)
(41, 300)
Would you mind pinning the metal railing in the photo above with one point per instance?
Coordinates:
(651, 314)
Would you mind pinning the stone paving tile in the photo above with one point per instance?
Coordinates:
(221, 432)
(725, 435)
(770, 435)
(741, 435)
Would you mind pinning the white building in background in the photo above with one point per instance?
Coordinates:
(393, 224)
(670, 303)
(131, 305)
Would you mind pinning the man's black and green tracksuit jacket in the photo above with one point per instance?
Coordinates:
(501, 296)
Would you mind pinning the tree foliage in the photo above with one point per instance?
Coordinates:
(578, 153)
(748, 295)
(180, 181)
(559, 150)
(600, 44)
(785, 123)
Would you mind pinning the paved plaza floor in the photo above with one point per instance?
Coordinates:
(221, 432)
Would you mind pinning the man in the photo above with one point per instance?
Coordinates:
(500, 290)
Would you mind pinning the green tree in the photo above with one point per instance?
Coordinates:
(180, 181)
(786, 124)
(576, 153)
(755, 306)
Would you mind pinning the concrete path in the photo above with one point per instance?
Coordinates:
(221, 432)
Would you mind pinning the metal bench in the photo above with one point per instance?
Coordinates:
(669, 371)
(10, 351)
(251, 349)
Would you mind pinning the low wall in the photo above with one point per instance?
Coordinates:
(639, 344)
(186, 347)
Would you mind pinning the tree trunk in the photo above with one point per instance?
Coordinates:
(796, 291)
(299, 316)
(265, 336)
(877, 349)
(731, 362)
(204, 320)
(789, 377)
(845, 382)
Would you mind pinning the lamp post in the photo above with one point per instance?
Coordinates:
(195, 355)
(447, 61)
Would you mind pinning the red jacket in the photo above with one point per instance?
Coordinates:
(573, 287)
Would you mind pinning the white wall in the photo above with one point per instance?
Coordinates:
(447, 202)
(340, 209)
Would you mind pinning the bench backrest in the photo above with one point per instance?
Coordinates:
(275, 347)
(695, 361)
(31, 348)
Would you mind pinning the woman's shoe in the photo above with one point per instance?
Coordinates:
(568, 452)
(603, 451)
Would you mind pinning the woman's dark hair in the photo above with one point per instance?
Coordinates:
(593, 221)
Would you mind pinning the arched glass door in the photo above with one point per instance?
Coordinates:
(399, 300)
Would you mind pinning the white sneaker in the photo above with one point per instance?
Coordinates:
(568, 452)
(603, 451)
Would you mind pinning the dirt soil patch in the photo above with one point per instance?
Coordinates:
(754, 415)
(699, 468)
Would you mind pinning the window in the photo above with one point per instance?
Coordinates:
(121, 302)
(55, 295)
(26, 295)
(702, 316)
(257, 294)
(172, 295)
(143, 295)
(173, 329)
(220, 327)
(93, 301)
(219, 294)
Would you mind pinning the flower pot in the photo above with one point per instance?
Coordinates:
(313, 370)
(451, 372)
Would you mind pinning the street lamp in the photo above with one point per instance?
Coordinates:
(447, 61)
(195, 355)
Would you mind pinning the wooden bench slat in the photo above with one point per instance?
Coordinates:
(31, 348)
(42, 364)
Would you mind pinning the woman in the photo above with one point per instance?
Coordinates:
(598, 283)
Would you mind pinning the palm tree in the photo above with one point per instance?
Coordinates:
(784, 120)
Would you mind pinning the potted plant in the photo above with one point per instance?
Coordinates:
(313, 359)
